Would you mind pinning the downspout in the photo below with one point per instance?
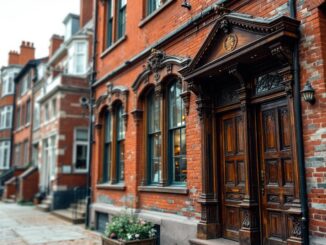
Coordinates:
(13, 127)
(92, 80)
(299, 133)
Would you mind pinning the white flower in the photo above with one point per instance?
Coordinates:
(129, 236)
(137, 236)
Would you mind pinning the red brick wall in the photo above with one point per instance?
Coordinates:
(29, 186)
(313, 65)
(312, 55)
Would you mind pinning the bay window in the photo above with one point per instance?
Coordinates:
(7, 86)
(6, 117)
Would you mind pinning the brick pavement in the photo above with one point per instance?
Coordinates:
(22, 225)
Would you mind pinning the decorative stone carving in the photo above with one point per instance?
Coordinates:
(297, 227)
(246, 219)
(186, 100)
(230, 42)
(154, 62)
(204, 107)
(224, 26)
(283, 53)
(268, 82)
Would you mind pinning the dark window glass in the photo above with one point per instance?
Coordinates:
(109, 27)
(177, 134)
(153, 5)
(122, 18)
(120, 143)
(107, 147)
(154, 139)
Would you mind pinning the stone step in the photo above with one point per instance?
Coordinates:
(43, 207)
(9, 200)
(80, 212)
(67, 215)
(80, 205)
(219, 241)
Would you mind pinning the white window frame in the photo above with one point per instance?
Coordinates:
(49, 155)
(82, 143)
(7, 83)
(4, 146)
(54, 108)
(6, 116)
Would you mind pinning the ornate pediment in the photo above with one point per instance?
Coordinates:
(156, 62)
(235, 35)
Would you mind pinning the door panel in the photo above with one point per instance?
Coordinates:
(233, 171)
(277, 170)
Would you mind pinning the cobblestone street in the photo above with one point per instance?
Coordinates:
(20, 225)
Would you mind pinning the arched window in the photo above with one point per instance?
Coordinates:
(177, 135)
(113, 145)
(166, 137)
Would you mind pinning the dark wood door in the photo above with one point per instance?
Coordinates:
(277, 182)
(233, 171)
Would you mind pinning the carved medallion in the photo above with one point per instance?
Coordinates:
(230, 42)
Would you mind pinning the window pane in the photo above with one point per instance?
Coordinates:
(120, 124)
(107, 163)
(82, 135)
(121, 161)
(81, 157)
(155, 158)
(177, 133)
(109, 28)
(177, 117)
(108, 125)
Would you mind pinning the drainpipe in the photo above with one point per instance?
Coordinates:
(92, 80)
(299, 133)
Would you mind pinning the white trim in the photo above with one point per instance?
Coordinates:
(4, 146)
(83, 143)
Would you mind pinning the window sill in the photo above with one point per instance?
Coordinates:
(169, 189)
(113, 46)
(149, 17)
(106, 186)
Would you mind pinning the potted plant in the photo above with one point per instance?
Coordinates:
(129, 229)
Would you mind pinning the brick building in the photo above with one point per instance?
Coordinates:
(16, 60)
(61, 136)
(199, 124)
(24, 118)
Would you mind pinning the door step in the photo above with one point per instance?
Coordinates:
(43, 207)
(67, 215)
(219, 241)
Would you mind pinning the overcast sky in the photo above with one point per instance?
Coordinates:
(34, 21)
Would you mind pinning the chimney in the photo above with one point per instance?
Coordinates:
(55, 43)
(27, 52)
(86, 11)
(13, 58)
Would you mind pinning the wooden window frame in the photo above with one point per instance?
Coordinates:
(166, 167)
(114, 29)
(114, 169)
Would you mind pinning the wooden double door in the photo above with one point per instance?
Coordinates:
(266, 134)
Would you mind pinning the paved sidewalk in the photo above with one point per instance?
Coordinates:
(21, 225)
